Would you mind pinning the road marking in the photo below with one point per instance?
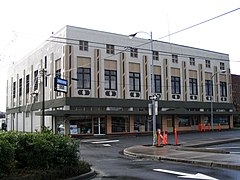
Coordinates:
(92, 140)
(106, 145)
(106, 141)
(186, 175)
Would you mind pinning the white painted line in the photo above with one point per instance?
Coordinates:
(103, 142)
(186, 175)
(92, 140)
(106, 145)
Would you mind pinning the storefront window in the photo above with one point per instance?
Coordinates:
(184, 121)
(140, 123)
(82, 125)
(120, 124)
(223, 120)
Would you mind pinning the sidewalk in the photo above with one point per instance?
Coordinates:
(190, 152)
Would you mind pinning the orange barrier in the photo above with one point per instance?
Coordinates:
(159, 137)
(204, 127)
(200, 127)
(209, 127)
(165, 138)
(176, 136)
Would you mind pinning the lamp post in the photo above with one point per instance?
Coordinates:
(154, 97)
(222, 71)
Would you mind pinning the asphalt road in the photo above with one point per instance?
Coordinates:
(105, 155)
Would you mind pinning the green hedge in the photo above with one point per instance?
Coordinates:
(44, 151)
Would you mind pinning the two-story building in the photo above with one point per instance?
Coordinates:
(83, 81)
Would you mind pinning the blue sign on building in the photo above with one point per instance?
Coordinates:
(60, 85)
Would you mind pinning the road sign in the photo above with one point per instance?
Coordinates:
(155, 97)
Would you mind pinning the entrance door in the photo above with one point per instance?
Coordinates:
(99, 125)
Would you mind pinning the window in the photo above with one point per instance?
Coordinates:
(158, 88)
(20, 87)
(134, 52)
(84, 78)
(14, 89)
(58, 73)
(184, 122)
(175, 85)
(222, 66)
(35, 80)
(192, 61)
(27, 84)
(208, 88)
(155, 55)
(83, 45)
(223, 89)
(208, 63)
(134, 79)
(45, 62)
(110, 79)
(110, 49)
(174, 58)
(120, 124)
(193, 86)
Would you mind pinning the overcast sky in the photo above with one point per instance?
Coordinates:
(25, 24)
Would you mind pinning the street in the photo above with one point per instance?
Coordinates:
(105, 155)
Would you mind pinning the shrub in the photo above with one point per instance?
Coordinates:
(42, 151)
(7, 162)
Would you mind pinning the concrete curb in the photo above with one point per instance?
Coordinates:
(215, 142)
(85, 176)
(181, 160)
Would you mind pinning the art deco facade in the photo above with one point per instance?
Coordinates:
(109, 83)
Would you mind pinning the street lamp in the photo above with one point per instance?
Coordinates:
(222, 71)
(154, 97)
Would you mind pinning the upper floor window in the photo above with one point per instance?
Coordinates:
(84, 78)
(27, 84)
(14, 89)
(193, 86)
(110, 79)
(192, 61)
(134, 80)
(45, 62)
(208, 88)
(174, 58)
(208, 63)
(176, 88)
(223, 89)
(157, 82)
(222, 66)
(20, 87)
(134, 52)
(58, 73)
(110, 49)
(35, 80)
(155, 55)
(83, 45)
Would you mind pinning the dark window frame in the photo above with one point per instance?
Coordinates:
(84, 78)
(193, 86)
(176, 85)
(134, 81)
(110, 79)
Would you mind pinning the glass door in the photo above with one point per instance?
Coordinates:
(99, 125)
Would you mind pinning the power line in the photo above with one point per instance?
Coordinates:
(184, 29)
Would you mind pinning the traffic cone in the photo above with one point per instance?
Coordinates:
(159, 137)
(209, 127)
(176, 136)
